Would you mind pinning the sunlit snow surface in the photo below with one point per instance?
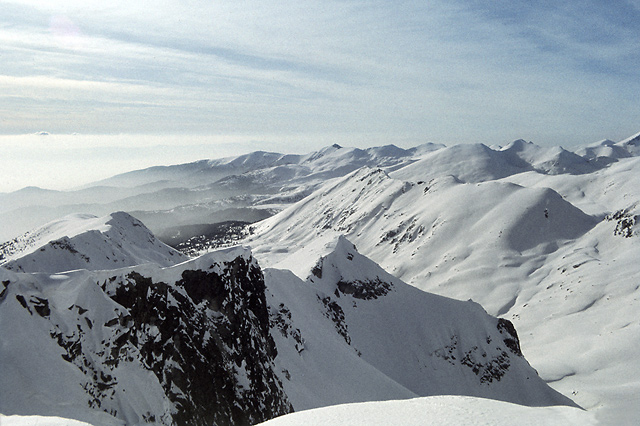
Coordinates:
(38, 421)
(82, 241)
(544, 237)
(437, 410)
(549, 251)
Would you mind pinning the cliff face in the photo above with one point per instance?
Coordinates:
(201, 330)
(216, 340)
(206, 338)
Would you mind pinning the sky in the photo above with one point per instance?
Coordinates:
(92, 88)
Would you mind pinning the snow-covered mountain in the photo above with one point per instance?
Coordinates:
(544, 238)
(554, 250)
(186, 345)
(352, 332)
(425, 232)
(252, 187)
(247, 188)
(84, 241)
(213, 340)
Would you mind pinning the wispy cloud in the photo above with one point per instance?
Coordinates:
(459, 71)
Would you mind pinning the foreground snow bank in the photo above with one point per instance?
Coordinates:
(437, 410)
(38, 421)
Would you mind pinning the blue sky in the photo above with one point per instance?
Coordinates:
(196, 79)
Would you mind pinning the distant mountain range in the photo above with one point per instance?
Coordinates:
(254, 186)
(104, 323)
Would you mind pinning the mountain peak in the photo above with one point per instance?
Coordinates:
(346, 271)
(83, 241)
(631, 144)
(518, 145)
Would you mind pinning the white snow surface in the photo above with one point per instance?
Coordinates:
(436, 410)
(400, 344)
(553, 250)
(544, 237)
(38, 421)
(82, 241)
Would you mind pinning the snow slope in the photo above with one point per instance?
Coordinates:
(38, 421)
(86, 242)
(424, 232)
(353, 332)
(468, 163)
(437, 410)
(187, 344)
(211, 340)
(553, 250)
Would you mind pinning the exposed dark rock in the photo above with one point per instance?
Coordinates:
(41, 306)
(281, 319)
(365, 290)
(511, 341)
(317, 269)
(487, 370)
(5, 284)
(20, 298)
(625, 222)
(334, 312)
(201, 344)
(206, 338)
(487, 367)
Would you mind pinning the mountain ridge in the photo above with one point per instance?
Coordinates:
(216, 328)
(157, 191)
(85, 241)
(544, 238)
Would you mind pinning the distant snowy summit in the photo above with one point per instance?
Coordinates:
(479, 162)
(254, 186)
(83, 241)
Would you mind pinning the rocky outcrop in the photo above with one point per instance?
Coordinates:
(204, 336)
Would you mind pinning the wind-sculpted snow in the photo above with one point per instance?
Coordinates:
(86, 242)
